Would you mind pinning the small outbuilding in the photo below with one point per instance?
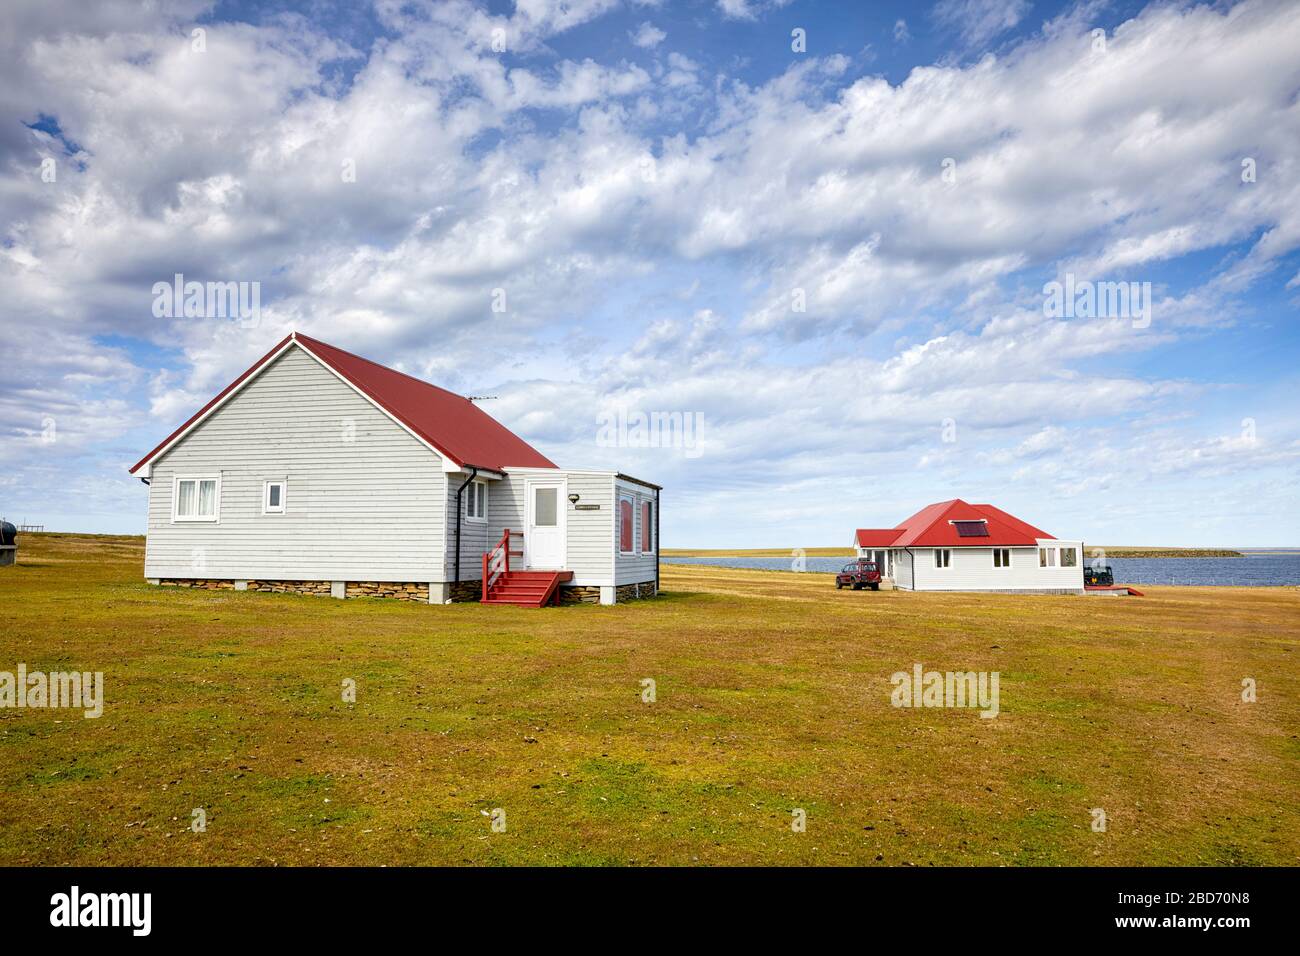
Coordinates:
(957, 546)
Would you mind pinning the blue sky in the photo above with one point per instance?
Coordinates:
(653, 186)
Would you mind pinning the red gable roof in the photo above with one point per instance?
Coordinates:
(932, 527)
(452, 424)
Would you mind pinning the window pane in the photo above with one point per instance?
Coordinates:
(544, 507)
(185, 502)
(273, 496)
(1067, 557)
(625, 525)
(207, 498)
(647, 528)
(482, 500)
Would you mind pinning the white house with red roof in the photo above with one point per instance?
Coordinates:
(957, 546)
(318, 471)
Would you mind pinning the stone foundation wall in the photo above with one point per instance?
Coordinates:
(291, 587)
(466, 590)
(387, 589)
(630, 592)
(200, 583)
(579, 595)
(461, 591)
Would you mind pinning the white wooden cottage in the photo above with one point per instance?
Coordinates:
(318, 471)
(957, 546)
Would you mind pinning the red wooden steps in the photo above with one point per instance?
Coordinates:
(527, 588)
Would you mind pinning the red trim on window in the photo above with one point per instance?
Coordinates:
(624, 525)
(646, 528)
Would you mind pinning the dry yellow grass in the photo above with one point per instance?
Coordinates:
(772, 694)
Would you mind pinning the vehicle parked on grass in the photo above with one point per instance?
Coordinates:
(858, 575)
(1098, 575)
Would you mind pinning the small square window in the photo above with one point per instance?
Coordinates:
(942, 557)
(546, 505)
(476, 497)
(1069, 558)
(1001, 557)
(273, 498)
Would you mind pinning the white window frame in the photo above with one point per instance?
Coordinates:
(618, 528)
(1074, 558)
(176, 498)
(1006, 564)
(479, 488)
(267, 509)
(640, 527)
(1047, 557)
(946, 561)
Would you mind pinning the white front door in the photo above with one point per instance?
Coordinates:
(544, 536)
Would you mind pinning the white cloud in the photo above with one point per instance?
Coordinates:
(979, 21)
(648, 36)
(736, 9)
(747, 9)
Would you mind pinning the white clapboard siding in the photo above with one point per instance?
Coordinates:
(474, 535)
(902, 569)
(364, 501)
(591, 533)
(971, 569)
(506, 512)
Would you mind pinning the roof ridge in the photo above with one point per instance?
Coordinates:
(298, 337)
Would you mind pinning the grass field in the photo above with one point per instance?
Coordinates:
(772, 694)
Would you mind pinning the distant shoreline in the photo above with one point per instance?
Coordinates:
(1115, 552)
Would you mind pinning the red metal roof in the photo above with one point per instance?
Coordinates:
(451, 423)
(876, 537)
(932, 527)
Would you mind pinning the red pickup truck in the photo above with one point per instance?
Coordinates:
(859, 575)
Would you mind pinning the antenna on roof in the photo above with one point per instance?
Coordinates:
(480, 398)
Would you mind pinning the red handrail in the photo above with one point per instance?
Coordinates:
(491, 570)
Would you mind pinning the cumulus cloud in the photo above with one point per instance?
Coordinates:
(648, 36)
